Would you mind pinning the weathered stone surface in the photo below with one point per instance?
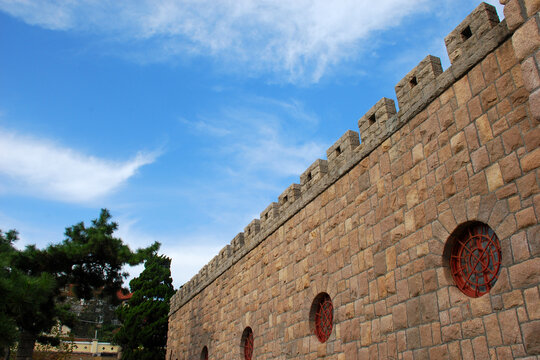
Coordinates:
(532, 7)
(409, 89)
(373, 124)
(531, 79)
(342, 149)
(470, 32)
(534, 103)
(532, 340)
(494, 177)
(526, 39)
(314, 173)
(525, 274)
(513, 14)
(531, 161)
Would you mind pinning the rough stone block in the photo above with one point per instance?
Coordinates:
(380, 264)
(526, 39)
(531, 161)
(469, 33)
(531, 79)
(513, 14)
(525, 274)
(531, 336)
(534, 104)
(532, 7)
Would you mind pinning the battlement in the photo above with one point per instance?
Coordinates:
(313, 174)
(289, 196)
(343, 149)
(373, 123)
(467, 36)
(470, 42)
(419, 81)
(252, 229)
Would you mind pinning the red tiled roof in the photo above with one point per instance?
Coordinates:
(121, 296)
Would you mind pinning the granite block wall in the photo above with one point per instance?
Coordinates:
(374, 225)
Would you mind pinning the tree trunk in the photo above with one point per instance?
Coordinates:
(5, 353)
(25, 350)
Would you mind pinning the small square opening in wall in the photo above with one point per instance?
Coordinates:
(372, 119)
(285, 199)
(338, 151)
(309, 176)
(466, 33)
(413, 81)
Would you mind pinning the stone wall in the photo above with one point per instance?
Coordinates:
(371, 226)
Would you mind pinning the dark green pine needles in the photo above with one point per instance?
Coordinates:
(143, 335)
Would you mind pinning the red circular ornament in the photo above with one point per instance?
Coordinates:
(476, 260)
(324, 318)
(248, 344)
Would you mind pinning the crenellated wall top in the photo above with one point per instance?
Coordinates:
(473, 39)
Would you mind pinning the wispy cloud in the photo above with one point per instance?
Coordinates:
(29, 233)
(208, 127)
(299, 39)
(41, 168)
(189, 253)
(263, 135)
(249, 153)
(269, 150)
(187, 260)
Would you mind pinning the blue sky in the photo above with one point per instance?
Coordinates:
(187, 118)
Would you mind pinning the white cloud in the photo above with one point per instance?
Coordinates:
(29, 233)
(264, 135)
(272, 153)
(186, 261)
(188, 253)
(297, 38)
(41, 168)
(206, 127)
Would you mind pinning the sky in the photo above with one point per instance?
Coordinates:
(187, 118)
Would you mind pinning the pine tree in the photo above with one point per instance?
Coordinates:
(34, 280)
(8, 287)
(19, 292)
(143, 335)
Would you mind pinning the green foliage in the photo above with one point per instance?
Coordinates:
(8, 327)
(143, 335)
(22, 292)
(92, 258)
(33, 282)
